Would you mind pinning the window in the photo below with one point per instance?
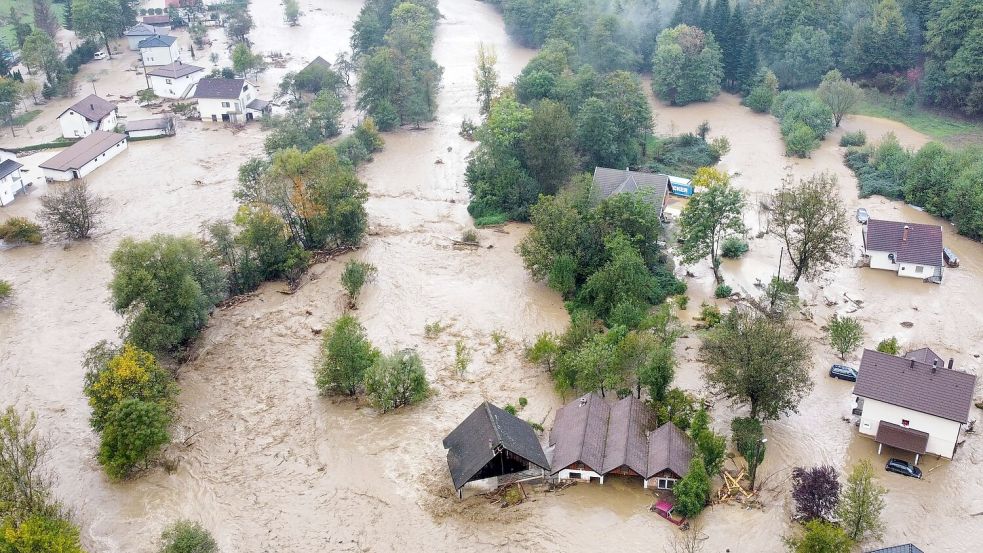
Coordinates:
(905, 422)
(575, 475)
(168, 81)
(225, 104)
(919, 268)
(666, 483)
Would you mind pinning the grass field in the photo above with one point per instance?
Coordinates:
(934, 124)
(25, 12)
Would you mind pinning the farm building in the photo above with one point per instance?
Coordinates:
(86, 116)
(145, 128)
(84, 157)
(909, 249)
(174, 80)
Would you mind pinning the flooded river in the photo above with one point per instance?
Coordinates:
(268, 465)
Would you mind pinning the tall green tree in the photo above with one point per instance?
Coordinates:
(953, 46)
(806, 58)
(41, 53)
(839, 94)
(486, 76)
(393, 381)
(134, 434)
(880, 43)
(693, 490)
(709, 217)
(687, 66)
(45, 17)
(98, 19)
(861, 503)
(549, 146)
(346, 354)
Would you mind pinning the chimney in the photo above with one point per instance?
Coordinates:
(912, 364)
(92, 107)
(904, 236)
(950, 363)
(935, 365)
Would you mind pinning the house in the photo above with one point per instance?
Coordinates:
(232, 100)
(146, 128)
(174, 80)
(915, 403)
(492, 443)
(610, 182)
(135, 34)
(159, 50)
(161, 22)
(592, 439)
(86, 116)
(909, 249)
(12, 181)
(83, 157)
(906, 548)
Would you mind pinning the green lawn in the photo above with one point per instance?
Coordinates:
(26, 117)
(25, 11)
(934, 124)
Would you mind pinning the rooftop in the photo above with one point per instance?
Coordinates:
(157, 41)
(910, 242)
(219, 88)
(8, 166)
(140, 29)
(92, 107)
(149, 124)
(610, 182)
(83, 151)
(174, 70)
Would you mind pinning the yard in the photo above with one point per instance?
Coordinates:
(25, 13)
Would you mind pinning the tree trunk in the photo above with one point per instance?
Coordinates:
(109, 51)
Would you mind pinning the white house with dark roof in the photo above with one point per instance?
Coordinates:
(86, 116)
(610, 182)
(159, 50)
(229, 100)
(916, 403)
(84, 157)
(909, 249)
(174, 80)
(12, 181)
(135, 34)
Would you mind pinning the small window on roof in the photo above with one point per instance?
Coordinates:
(905, 422)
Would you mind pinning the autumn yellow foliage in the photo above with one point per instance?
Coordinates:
(126, 373)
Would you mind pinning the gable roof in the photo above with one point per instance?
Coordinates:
(157, 20)
(627, 442)
(92, 107)
(925, 355)
(140, 29)
(174, 70)
(8, 166)
(219, 88)
(474, 442)
(610, 182)
(906, 548)
(157, 41)
(914, 385)
(579, 432)
(901, 437)
(669, 448)
(317, 62)
(921, 244)
(83, 151)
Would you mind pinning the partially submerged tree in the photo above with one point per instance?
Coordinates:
(24, 480)
(354, 276)
(98, 19)
(821, 537)
(749, 440)
(185, 536)
(486, 76)
(845, 334)
(19, 230)
(291, 12)
(709, 217)
(134, 434)
(861, 503)
(709, 445)
(72, 210)
(687, 65)
(839, 94)
(396, 380)
(693, 490)
(114, 374)
(816, 492)
(346, 354)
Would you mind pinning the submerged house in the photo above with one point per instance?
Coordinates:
(174, 80)
(12, 182)
(610, 182)
(916, 403)
(229, 100)
(492, 443)
(909, 249)
(593, 439)
(88, 115)
(84, 157)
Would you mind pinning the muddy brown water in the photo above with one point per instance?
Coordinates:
(268, 465)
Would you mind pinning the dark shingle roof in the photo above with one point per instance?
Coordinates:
(925, 355)
(473, 443)
(923, 244)
(915, 385)
(157, 41)
(627, 442)
(900, 437)
(8, 166)
(83, 151)
(174, 70)
(149, 124)
(317, 62)
(609, 182)
(157, 19)
(219, 88)
(92, 108)
(579, 431)
(140, 29)
(669, 448)
(906, 548)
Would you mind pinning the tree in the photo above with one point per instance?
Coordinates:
(345, 356)
(889, 346)
(291, 12)
(622, 283)
(71, 211)
(687, 66)
(861, 503)
(237, 26)
(709, 217)
(185, 536)
(396, 380)
(243, 59)
(709, 444)
(759, 361)
(693, 490)
(548, 144)
(50, 534)
(115, 374)
(19, 230)
(839, 94)
(486, 76)
(164, 287)
(40, 52)
(353, 277)
(749, 439)
(133, 436)
(98, 19)
(6, 290)
(45, 18)
(763, 93)
(880, 43)
(816, 492)
(821, 537)
(953, 76)
(808, 55)
(24, 480)
(325, 114)
(845, 334)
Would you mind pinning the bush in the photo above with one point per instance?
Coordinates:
(354, 276)
(185, 536)
(804, 121)
(18, 230)
(511, 409)
(470, 236)
(396, 380)
(345, 356)
(6, 290)
(116, 374)
(800, 140)
(856, 138)
(710, 315)
(39, 533)
(693, 490)
(889, 346)
(734, 247)
(133, 435)
(682, 301)
(723, 291)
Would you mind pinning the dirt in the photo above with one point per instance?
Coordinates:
(268, 465)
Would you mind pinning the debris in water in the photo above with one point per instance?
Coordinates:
(907, 324)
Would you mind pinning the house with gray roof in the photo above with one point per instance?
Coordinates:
(491, 443)
(610, 182)
(12, 181)
(593, 439)
(916, 403)
(84, 157)
(174, 80)
(229, 100)
(906, 548)
(139, 32)
(88, 115)
(910, 250)
(159, 50)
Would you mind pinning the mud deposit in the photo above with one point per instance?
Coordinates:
(268, 465)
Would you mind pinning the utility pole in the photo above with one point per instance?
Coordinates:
(774, 292)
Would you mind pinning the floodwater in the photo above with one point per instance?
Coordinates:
(268, 465)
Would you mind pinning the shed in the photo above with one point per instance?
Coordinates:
(670, 451)
(491, 443)
(11, 181)
(145, 128)
(83, 157)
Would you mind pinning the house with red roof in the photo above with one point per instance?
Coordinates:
(911, 250)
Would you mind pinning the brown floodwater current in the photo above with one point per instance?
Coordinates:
(267, 465)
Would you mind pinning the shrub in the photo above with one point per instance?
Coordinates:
(146, 95)
(490, 220)
(889, 346)
(18, 230)
(185, 536)
(470, 236)
(396, 380)
(133, 435)
(710, 315)
(733, 247)
(345, 356)
(523, 402)
(116, 374)
(6, 290)
(71, 211)
(433, 330)
(816, 492)
(41, 533)
(856, 138)
(462, 356)
(682, 301)
(498, 338)
(354, 277)
(723, 291)
(511, 409)
(693, 490)
(800, 140)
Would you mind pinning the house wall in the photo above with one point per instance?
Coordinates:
(74, 125)
(911, 270)
(146, 133)
(89, 167)
(160, 55)
(133, 42)
(209, 107)
(879, 260)
(942, 433)
(9, 186)
(585, 475)
(176, 87)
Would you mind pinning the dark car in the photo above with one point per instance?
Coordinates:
(903, 468)
(950, 257)
(843, 372)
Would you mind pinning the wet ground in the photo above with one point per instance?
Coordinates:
(268, 465)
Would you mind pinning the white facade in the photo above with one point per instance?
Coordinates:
(89, 167)
(574, 474)
(10, 186)
(134, 41)
(884, 260)
(74, 125)
(229, 109)
(166, 87)
(160, 55)
(942, 433)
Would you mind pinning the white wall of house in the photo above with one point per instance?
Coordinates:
(212, 109)
(9, 186)
(942, 433)
(573, 474)
(174, 88)
(912, 270)
(661, 483)
(161, 55)
(881, 260)
(74, 125)
(89, 167)
(134, 41)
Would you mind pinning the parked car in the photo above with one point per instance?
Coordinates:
(100, 55)
(862, 215)
(664, 510)
(903, 468)
(950, 257)
(843, 372)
